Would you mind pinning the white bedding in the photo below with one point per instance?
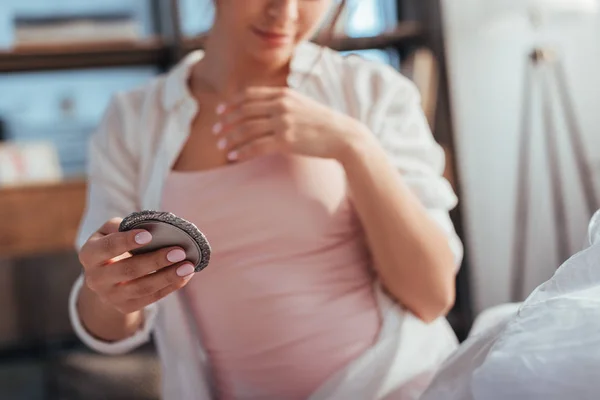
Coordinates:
(548, 350)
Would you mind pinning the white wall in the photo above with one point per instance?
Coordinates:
(486, 73)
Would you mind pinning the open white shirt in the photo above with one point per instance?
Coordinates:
(139, 139)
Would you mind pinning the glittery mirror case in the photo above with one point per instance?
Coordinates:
(169, 230)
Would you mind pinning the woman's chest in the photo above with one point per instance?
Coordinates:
(269, 201)
(200, 151)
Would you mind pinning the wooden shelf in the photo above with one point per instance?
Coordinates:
(40, 219)
(83, 55)
(154, 51)
(405, 33)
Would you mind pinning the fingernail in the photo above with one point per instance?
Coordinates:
(176, 255)
(232, 156)
(185, 270)
(217, 128)
(222, 143)
(143, 238)
(221, 108)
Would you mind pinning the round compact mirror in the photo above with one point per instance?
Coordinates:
(168, 230)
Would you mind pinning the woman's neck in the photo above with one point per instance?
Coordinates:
(225, 70)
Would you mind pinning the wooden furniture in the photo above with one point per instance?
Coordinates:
(43, 219)
(152, 51)
(40, 219)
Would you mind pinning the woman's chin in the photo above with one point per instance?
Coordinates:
(273, 57)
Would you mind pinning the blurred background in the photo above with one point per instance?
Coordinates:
(61, 61)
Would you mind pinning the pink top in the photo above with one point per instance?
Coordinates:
(287, 299)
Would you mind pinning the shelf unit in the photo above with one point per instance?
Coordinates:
(409, 33)
(423, 29)
(155, 51)
(152, 51)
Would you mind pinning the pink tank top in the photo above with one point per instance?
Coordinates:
(287, 299)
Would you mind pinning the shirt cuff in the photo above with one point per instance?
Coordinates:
(141, 337)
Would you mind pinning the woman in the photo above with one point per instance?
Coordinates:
(317, 182)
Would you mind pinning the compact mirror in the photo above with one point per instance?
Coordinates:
(169, 230)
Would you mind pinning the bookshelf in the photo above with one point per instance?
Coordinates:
(155, 51)
(43, 219)
(152, 51)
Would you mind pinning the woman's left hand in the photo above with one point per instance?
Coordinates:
(266, 120)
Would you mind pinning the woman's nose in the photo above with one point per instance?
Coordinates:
(283, 10)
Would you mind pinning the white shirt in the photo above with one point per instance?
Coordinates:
(138, 141)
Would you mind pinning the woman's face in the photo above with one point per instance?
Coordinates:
(269, 29)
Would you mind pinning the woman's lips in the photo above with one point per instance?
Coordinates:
(273, 38)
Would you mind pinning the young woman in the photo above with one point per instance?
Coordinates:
(318, 184)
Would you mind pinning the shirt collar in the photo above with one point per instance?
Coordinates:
(305, 63)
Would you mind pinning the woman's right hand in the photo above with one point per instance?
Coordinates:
(129, 283)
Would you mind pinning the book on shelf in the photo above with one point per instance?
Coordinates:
(29, 163)
(34, 31)
(68, 134)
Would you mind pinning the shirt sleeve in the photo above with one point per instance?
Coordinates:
(401, 126)
(112, 176)
(112, 348)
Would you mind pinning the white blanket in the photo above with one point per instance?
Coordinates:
(549, 350)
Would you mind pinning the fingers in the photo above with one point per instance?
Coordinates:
(255, 102)
(255, 148)
(152, 287)
(133, 268)
(152, 283)
(138, 304)
(247, 113)
(101, 248)
(110, 226)
(244, 133)
(253, 94)
(250, 117)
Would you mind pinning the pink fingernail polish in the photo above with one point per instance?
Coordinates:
(185, 270)
(232, 156)
(217, 128)
(222, 143)
(220, 108)
(143, 238)
(176, 255)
